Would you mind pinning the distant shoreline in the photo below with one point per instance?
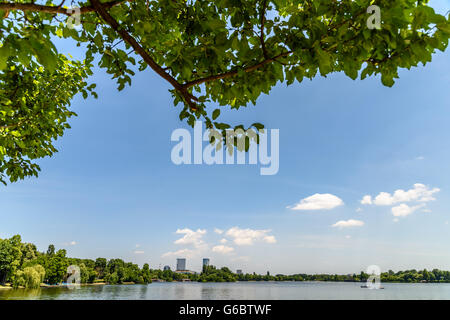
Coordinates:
(43, 285)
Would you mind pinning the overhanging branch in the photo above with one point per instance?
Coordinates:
(230, 74)
(101, 10)
(53, 9)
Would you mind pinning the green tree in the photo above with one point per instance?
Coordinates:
(56, 267)
(30, 277)
(146, 275)
(100, 266)
(225, 52)
(10, 258)
(51, 250)
(29, 252)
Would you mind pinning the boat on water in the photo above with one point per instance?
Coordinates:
(367, 287)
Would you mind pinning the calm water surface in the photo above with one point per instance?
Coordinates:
(240, 290)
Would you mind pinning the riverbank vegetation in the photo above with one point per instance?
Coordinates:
(22, 265)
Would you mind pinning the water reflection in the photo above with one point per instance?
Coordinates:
(241, 290)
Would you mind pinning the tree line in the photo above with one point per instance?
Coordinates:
(22, 265)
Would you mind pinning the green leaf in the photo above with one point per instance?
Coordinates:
(215, 114)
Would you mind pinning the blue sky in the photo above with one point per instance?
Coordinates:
(112, 190)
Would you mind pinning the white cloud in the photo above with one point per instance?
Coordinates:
(358, 210)
(243, 237)
(223, 240)
(218, 231)
(191, 237)
(348, 237)
(404, 210)
(71, 243)
(270, 239)
(366, 200)
(318, 201)
(426, 210)
(222, 249)
(395, 220)
(138, 252)
(184, 253)
(348, 223)
(384, 199)
(419, 192)
(138, 245)
(420, 158)
(241, 259)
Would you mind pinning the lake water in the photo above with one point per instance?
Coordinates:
(240, 290)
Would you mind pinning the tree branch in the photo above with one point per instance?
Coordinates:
(101, 10)
(261, 34)
(234, 72)
(53, 9)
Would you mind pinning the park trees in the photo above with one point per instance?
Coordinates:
(100, 266)
(10, 258)
(224, 52)
(56, 267)
(29, 277)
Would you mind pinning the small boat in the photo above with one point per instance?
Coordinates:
(367, 287)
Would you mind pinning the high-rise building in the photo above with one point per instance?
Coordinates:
(239, 271)
(181, 264)
(166, 268)
(205, 261)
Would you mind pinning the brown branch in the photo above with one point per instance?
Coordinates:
(53, 9)
(9, 126)
(234, 72)
(262, 63)
(261, 34)
(101, 10)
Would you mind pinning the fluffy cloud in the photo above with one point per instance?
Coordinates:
(223, 240)
(222, 249)
(185, 253)
(419, 192)
(71, 243)
(139, 252)
(318, 201)
(366, 200)
(191, 237)
(403, 210)
(348, 223)
(218, 231)
(243, 237)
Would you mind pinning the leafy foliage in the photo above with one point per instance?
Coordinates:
(51, 268)
(223, 52)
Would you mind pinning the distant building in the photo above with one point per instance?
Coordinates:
(205, 261)
(186, 272)
(181, 264)
(166, 268)
(239, 271)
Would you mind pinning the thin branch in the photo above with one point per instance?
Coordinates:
(53, 9)
(261, 34)
(101, 10)
(230, 74)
